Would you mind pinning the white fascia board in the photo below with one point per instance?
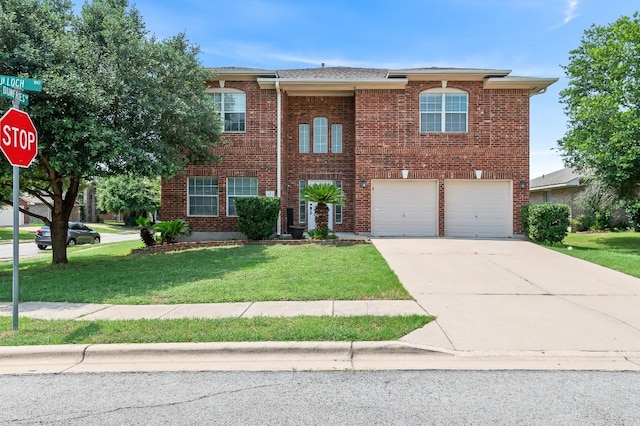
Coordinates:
(534, 84)
(332, 83)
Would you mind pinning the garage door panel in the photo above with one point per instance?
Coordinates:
(404, 208)
(478, 209)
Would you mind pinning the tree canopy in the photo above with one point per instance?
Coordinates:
(128, 194)
(115, 99)
(602, 103)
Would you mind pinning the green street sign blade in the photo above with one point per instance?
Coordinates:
(21, 83)
(11, 93)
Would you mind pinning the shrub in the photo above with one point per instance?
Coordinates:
(524, 217)
(633, 214)
(171, 230)
(582, 223)
(321, 234)
(547, 223)
(257, 216)
(145, 234)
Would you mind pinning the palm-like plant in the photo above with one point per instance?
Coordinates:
(323, 194)
(170, 231)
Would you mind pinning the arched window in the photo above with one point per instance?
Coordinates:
(444, 110)
(232, 106)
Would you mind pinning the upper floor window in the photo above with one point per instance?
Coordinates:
(232, 105)
(336, 138)
(443, 111)
(320, 135)
(303, 138)
(321, 143)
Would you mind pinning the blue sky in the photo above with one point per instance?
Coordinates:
(529, 37)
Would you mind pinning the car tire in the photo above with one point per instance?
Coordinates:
(96, 240)
(71, 243)
(42, 246)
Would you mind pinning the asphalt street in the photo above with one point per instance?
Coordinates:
(324, 398)
(29, 249)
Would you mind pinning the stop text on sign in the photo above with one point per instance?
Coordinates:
(18, 138)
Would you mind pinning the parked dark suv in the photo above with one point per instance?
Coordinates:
(78, 233)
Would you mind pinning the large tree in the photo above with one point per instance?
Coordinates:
(133, 195)
(115, 99)
(602, 103)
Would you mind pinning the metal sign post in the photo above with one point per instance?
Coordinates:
(19, 143)
(15, 292)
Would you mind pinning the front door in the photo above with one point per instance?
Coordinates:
(311, 208)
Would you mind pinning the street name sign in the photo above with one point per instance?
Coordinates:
(28, 84)
(11, 93)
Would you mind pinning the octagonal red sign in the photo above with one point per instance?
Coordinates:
(18, 138)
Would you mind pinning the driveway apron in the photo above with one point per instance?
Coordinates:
(512, 295)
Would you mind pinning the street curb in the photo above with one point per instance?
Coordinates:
(293, 356)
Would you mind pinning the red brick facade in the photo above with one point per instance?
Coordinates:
(381, 134)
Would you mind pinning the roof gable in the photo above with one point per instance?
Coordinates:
(559, 179)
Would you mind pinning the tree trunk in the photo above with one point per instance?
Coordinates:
(59, 239)
(322, 217)
(63, 203)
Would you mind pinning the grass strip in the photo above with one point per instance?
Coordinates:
(105, 273)
(619, 251)
(6, 235)
(302, 328)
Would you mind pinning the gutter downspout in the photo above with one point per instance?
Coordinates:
(279, 153)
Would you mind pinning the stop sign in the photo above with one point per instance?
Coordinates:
(18, 138)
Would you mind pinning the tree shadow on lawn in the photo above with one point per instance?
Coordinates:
(132, 278)
(621, 244)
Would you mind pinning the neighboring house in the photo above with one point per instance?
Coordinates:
(36, 206)
(6, 213)
(417, 152)
(561, 186)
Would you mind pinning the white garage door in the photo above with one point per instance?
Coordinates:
(404, 208)
(6, 216)
(478, 208)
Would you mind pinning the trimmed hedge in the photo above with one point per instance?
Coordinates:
(257, 216)
(546, 223)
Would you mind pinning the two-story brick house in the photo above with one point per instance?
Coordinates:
(417, 152)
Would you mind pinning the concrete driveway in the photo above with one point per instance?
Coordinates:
(512, 295)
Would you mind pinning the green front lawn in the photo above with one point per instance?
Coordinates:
(361, 328)
(615, 250)
(24, 234)
(106, 273)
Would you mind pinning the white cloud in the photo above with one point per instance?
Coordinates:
(570, 10)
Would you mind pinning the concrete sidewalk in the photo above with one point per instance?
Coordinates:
(90, 311)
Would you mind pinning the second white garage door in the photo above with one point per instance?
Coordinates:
(478, 208)
(404, 208)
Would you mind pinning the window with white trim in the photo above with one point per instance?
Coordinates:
(336, 138)
(338, 208)
(444, 110)
(302, 205)
(202, 196)
(232, 106)
(320, 135)
(303, 138)
(240, 187)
